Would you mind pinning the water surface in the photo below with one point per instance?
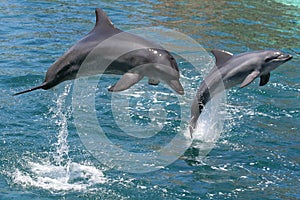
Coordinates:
(256, 155)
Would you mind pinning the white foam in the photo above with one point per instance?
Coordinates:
(75, 177)
(58, 172)
(209, 125)
(210, 122)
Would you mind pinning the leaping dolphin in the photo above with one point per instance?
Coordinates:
(231, 70)
(146, 59)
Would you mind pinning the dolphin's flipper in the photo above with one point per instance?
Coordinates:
(152, 81)
(127, 80)
(264, 79)
(221, 56)
(250, 78)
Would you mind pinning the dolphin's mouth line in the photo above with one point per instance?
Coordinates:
(283, 58)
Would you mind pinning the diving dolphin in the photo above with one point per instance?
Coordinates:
(144, 59)
(231, 70)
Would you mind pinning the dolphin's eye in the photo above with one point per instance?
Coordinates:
(276, 55)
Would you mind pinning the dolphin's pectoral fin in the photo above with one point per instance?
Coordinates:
(127, 80)
(264, 79)
(250, 78)
(153, 81)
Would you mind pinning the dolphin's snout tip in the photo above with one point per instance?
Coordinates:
(287, 56)
(181, 92)
(176, 86)
(284, 57)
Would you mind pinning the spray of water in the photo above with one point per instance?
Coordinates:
(58, 173)
(61, 114)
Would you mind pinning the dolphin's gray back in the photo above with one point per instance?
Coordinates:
(231, 70)
(104, 30)
(99, 49)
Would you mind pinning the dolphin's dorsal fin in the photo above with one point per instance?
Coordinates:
(221, 56)
(102, 19)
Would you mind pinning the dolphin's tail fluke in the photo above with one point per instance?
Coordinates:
(196, 110)
(32, 89)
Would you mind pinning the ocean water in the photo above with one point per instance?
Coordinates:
(247, 145)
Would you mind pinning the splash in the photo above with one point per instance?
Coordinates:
(58, 172)
(47, 176)
(61, 114)
(210, 125)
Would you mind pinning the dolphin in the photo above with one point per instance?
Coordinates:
(144, 59)
(231, 70)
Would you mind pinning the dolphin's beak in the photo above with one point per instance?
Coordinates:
(289, 57)
(176, 85)
(284, 57)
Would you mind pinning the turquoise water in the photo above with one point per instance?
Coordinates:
(256, 155)
(290, 2)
